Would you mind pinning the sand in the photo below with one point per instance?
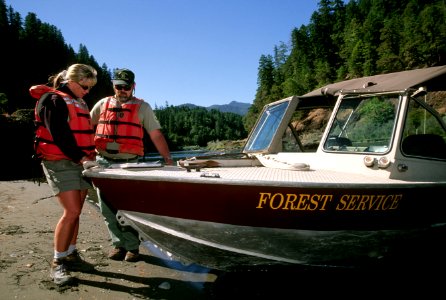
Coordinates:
(28, 216)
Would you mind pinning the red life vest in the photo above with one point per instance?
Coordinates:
(79, 121)
(120, 124)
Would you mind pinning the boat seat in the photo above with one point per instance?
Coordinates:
(341, 142)
(427, 145)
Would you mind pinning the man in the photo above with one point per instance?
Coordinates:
(120, 122)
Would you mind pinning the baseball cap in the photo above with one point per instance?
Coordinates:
(123, 76)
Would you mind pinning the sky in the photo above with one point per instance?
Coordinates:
(203, 52)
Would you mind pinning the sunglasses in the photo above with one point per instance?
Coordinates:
(124, 87)
(84, 87)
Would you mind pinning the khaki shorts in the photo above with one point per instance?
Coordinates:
(64, 175)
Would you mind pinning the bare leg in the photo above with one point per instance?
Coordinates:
(68, 226)
(73, 241)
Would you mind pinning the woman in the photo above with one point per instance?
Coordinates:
(64, 141)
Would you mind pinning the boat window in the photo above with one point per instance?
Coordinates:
(291, 141)
(363, 124)
(305, 131)
(266, 127)
(424, 133)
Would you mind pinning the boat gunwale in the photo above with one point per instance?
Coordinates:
(375, 182)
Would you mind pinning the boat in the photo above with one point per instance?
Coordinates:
(369, 186)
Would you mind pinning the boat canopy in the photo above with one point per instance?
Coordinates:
(266, 136)
(433, 78)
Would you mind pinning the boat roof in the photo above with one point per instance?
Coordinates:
(433, 78)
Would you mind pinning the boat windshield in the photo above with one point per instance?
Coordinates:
(267, 125)
(363, 124)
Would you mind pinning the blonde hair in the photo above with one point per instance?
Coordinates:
(75, 72)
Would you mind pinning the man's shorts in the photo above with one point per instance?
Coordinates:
(64, 175)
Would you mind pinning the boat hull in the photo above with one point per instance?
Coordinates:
(302, 206)
(224, 224)
(228, 247)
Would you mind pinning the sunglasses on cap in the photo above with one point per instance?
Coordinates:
(124, 87)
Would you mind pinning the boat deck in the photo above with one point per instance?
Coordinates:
(242, 175)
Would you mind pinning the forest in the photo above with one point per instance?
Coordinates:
(343, 40)
(346, 40)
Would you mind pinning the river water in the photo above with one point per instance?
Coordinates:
(177, 155)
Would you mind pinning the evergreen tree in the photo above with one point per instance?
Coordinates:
(359, 38)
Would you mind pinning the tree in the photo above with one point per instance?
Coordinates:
(388, 51)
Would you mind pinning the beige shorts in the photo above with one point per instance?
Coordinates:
(64, 175)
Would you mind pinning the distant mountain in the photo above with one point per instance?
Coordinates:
(235, 107)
